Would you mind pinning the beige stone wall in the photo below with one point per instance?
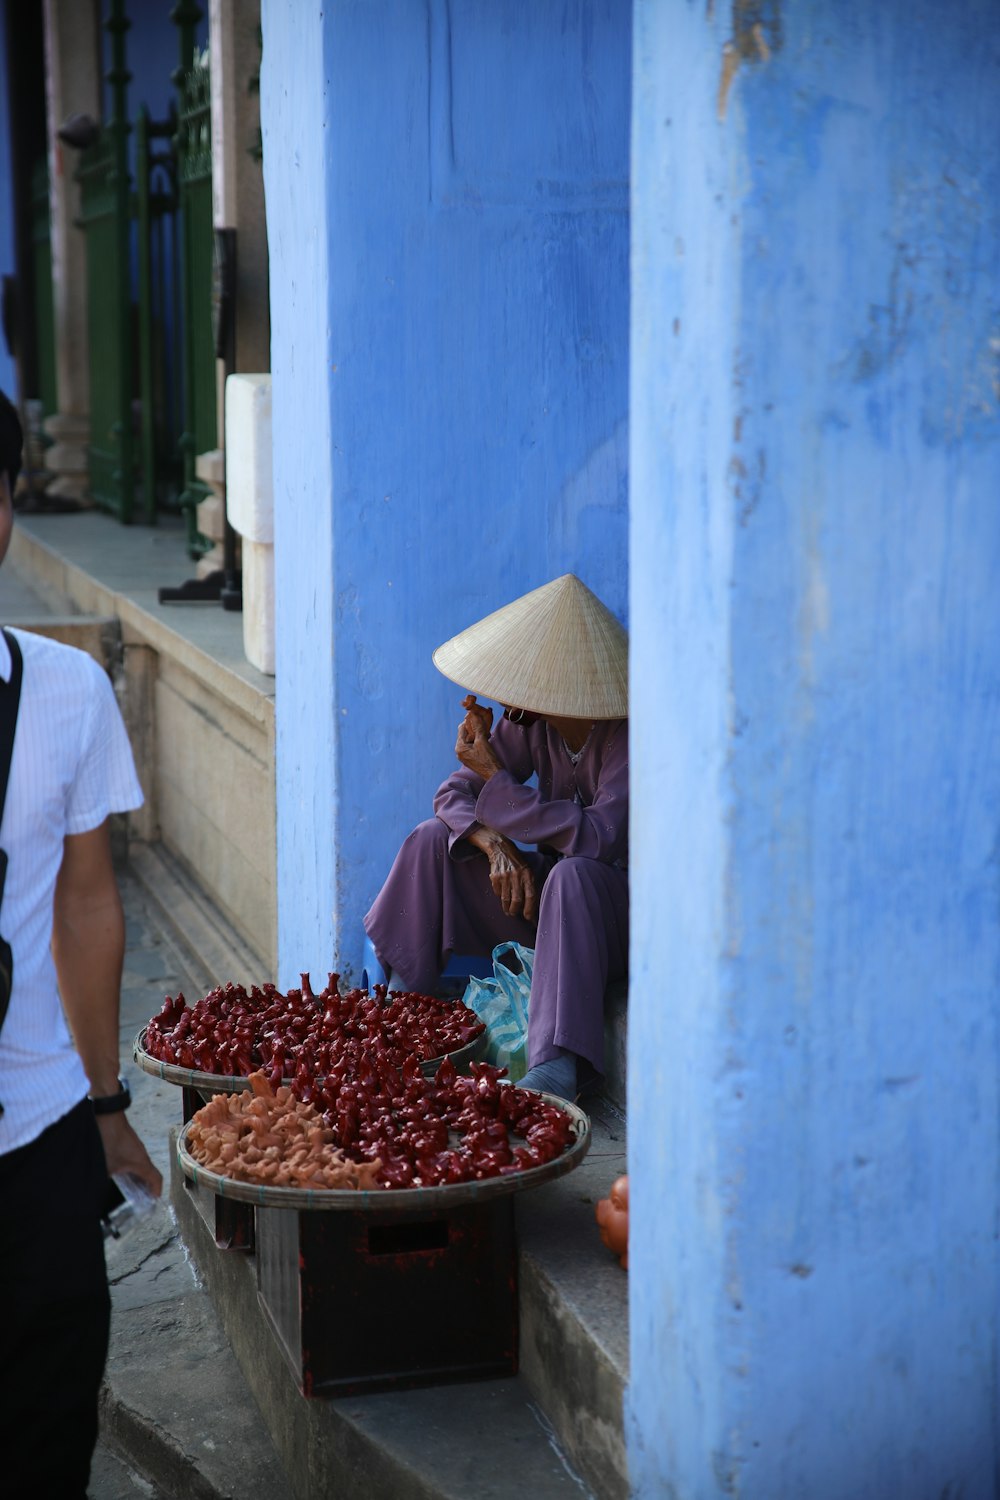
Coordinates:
(214, 788)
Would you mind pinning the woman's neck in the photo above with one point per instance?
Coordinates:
(575, 732)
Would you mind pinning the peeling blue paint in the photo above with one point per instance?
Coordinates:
(815, 546)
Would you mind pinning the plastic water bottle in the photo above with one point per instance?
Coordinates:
(129, 1202)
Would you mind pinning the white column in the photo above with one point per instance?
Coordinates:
(237, 203)
(237, 176)
(73, 86)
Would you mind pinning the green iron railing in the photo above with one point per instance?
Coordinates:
(160, 348)
(157, 354)
(104, 204)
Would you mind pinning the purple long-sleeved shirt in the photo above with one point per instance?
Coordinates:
(576, 809)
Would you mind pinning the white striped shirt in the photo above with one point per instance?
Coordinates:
(72, 766)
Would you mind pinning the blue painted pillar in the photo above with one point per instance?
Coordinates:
(447, 209)
(815, 555)
(294, 118)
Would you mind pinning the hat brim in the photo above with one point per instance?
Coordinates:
(557, 650)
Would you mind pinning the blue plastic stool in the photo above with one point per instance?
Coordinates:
(457, 967)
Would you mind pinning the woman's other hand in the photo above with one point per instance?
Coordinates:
(513, 882)
(511, 877)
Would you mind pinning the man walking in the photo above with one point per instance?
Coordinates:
(63, 1126)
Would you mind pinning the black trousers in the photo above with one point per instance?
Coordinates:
(54, 1308)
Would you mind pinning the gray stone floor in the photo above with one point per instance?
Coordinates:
(152, 970)
(112, 1479)
(173, 1392)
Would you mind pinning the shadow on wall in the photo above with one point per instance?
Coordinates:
(589, 520)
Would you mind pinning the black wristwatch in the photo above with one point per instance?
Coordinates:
(110, 1104)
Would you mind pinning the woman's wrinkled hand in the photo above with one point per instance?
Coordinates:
(478, 718)
(473, 746)
(513, 881)
(511, 876)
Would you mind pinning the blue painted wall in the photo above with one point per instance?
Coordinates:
(8, 265)
(465, 204)
(814, 560)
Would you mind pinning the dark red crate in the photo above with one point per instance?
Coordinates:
(366, 1301)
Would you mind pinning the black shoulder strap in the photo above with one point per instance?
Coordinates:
(10, 697)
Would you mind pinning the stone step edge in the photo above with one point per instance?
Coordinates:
(578, 1387)
(156, 1418)
(148, 1448)
(574, 1310)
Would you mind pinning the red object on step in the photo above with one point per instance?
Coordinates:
(612, 1217)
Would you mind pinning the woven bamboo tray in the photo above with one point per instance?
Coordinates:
(224, 1083)
(395, 1200)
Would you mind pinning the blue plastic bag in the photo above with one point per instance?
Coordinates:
(502, 1002)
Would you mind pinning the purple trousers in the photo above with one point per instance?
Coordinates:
(433, 905)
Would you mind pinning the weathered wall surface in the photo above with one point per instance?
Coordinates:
(815, 549)
(463, 209)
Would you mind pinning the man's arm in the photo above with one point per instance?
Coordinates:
(88, 945)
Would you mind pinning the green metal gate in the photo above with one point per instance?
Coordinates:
(152, 362)
(41, 245)
(161, 358)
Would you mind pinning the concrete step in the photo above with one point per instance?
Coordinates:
(574, 1310)
(113, 1477)
(446, 1442)
(573, 1306)
(28, 604)
(616, 1044)
(175, 1405)
(26, 600)
(573, 1350)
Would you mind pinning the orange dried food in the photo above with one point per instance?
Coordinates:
(268, 1136)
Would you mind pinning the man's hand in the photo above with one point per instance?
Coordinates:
(124, 1152)
(473, 746)
(511, 877)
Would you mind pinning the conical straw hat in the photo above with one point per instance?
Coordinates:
(557, 650)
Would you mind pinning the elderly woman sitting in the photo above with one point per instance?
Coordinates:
(461, 883)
